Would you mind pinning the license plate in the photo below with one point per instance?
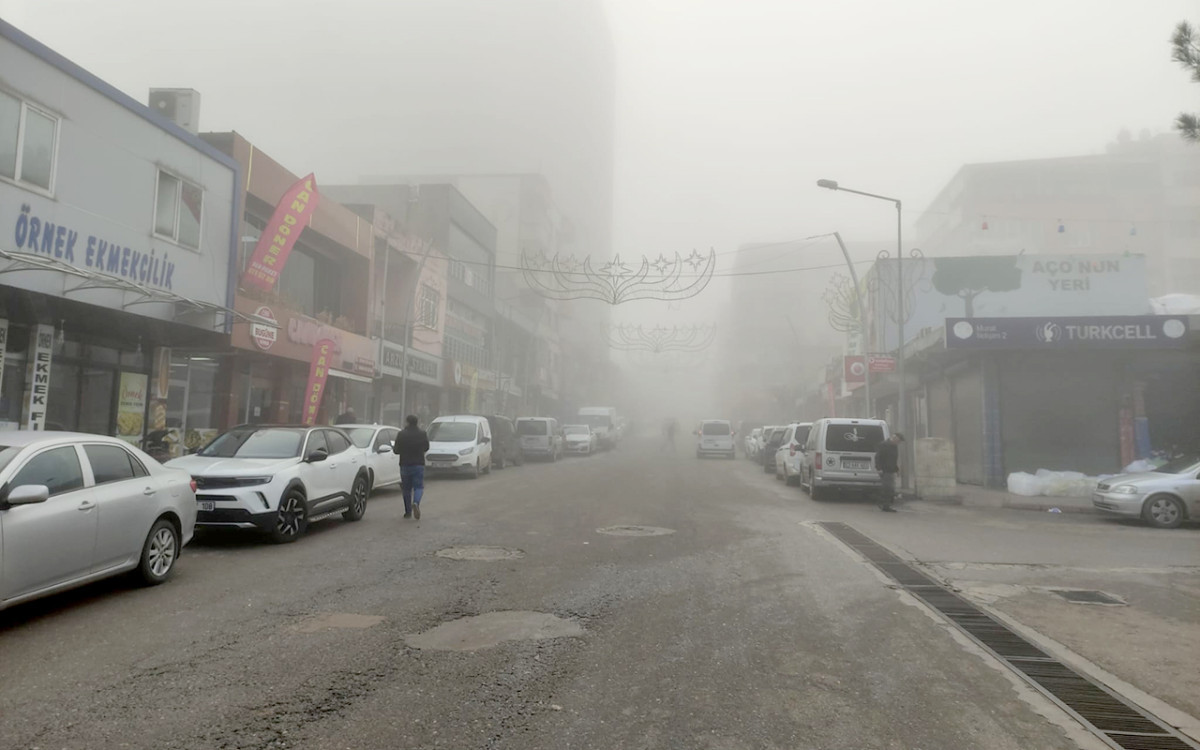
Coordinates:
(442, 464)
(856, 464)
(206, 505)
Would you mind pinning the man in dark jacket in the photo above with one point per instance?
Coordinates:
(887, 463)
(411, 446)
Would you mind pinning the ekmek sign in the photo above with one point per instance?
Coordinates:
(1098, 332)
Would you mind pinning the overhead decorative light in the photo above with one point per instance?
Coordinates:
(617, 281)
(660, 338)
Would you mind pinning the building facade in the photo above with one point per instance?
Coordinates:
(116, 235)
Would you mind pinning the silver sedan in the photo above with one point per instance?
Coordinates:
(75, 508)
(1165, 497)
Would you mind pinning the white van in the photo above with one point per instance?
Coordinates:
(604, 422)
(460, 445)
(715, 438)
(840, 455)
(540, 436)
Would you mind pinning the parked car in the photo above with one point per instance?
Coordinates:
(375, 442)
(715, 438)
(460, 444)
(277, 479)
(540, 436)
(506, 448)
(579, 438)
(840, 455)
(751, 442)
(790, 455)
(1164, 498)
(771, 439)
(76, 508)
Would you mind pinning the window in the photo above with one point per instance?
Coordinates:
(427, 307)
(256, 443)
(386, 437)
(110, 463)
(337, 442)
(860, 438)
(57, 468)
(715, 428)
(28, 138)
(316, 442)
(178, 207)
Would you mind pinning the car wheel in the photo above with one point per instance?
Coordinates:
(159, 552)
(476, 472)
(791, 480)
(358, 500)
(488, 468)
(816, 493)
(1163, 511)
(291, 520)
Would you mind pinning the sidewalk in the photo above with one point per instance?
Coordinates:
(970, 496)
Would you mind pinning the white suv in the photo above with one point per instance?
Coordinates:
(277, 479)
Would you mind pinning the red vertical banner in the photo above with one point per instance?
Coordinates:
(317, 376)
(271, 253)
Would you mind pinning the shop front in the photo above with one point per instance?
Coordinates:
(423, 393)
(470, 389)
(267, 375)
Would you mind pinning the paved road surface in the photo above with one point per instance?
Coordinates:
(745, 628)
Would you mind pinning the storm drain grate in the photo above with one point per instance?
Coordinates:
(1087, 596)
(1119, 723)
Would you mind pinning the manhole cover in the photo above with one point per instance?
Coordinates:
(493, 628)
(1087, 596)
(485, 554)
(635, 531)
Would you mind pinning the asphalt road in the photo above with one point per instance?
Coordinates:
(744, 628)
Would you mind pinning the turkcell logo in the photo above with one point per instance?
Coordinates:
(1048, 333)
(1099, 332)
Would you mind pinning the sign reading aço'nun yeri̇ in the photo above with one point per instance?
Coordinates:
(271, 253)
(317, 376)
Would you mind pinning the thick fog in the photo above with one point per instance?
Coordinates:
(721, 116)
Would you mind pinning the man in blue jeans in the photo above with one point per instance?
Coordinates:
(411, 446)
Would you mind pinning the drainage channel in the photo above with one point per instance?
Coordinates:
(1114, 720)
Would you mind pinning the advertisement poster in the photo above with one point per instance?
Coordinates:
(317, 376)
(294, 211)
(131, 407)
(38, 382)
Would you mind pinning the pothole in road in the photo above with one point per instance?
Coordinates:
(492, 629)
(635, 531)
(482, 554)
(338, 621)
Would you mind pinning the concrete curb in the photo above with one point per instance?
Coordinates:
(1065, 504)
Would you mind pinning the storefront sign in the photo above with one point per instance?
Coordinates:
(855, 369)
(1099, 332)
(322, 358)
(421, 367)
(296, 334)
(309, 332)
(294, 211)
(39, 380)
(264, 334)
(876, 363)
(131, 407)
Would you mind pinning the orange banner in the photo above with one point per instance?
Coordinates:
(322, 359)
(271, 253)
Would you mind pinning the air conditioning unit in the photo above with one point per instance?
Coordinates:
(180, 106)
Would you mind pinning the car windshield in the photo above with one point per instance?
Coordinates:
(576, 429)
(271, 442)
(858, 438)
(361, 436)
(531, 427)
(715, 428)
(1174, 466)
(453, 432)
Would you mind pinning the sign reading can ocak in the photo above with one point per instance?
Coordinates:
(318, 375)
(271, 253)
(1099, 332)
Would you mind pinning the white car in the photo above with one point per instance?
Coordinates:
(460, 445)
(277, 479)
(375, 441)
(76, 508)
(579, 438)
(751, 442)
(715, 438)
(789, 458)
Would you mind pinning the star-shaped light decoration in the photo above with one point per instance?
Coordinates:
(661, 339)
(615, 269)
(617, 281)
(695, 260)
(661, 265)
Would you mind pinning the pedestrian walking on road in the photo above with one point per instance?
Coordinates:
(887, 462)
(411, 446)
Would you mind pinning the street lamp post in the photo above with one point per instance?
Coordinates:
(833, 185)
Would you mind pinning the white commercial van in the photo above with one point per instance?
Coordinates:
(604, 421)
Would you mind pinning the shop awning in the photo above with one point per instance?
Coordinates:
(89, 279)
(349, 376)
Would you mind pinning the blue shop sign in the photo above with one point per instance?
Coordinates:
(1093, 332)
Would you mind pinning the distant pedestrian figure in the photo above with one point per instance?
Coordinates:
(669, 434)
(887, 462)
(347, 417)
(411, 446)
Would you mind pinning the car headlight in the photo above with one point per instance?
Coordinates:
(252, 481)
(1125, 489)
(466, 451)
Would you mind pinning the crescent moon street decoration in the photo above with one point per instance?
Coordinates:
(660, 339)
(666, 361)
(896, 296)
(618, 281)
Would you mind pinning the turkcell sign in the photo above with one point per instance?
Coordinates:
(1095, 332)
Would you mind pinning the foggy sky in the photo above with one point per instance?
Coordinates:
(727, 111)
